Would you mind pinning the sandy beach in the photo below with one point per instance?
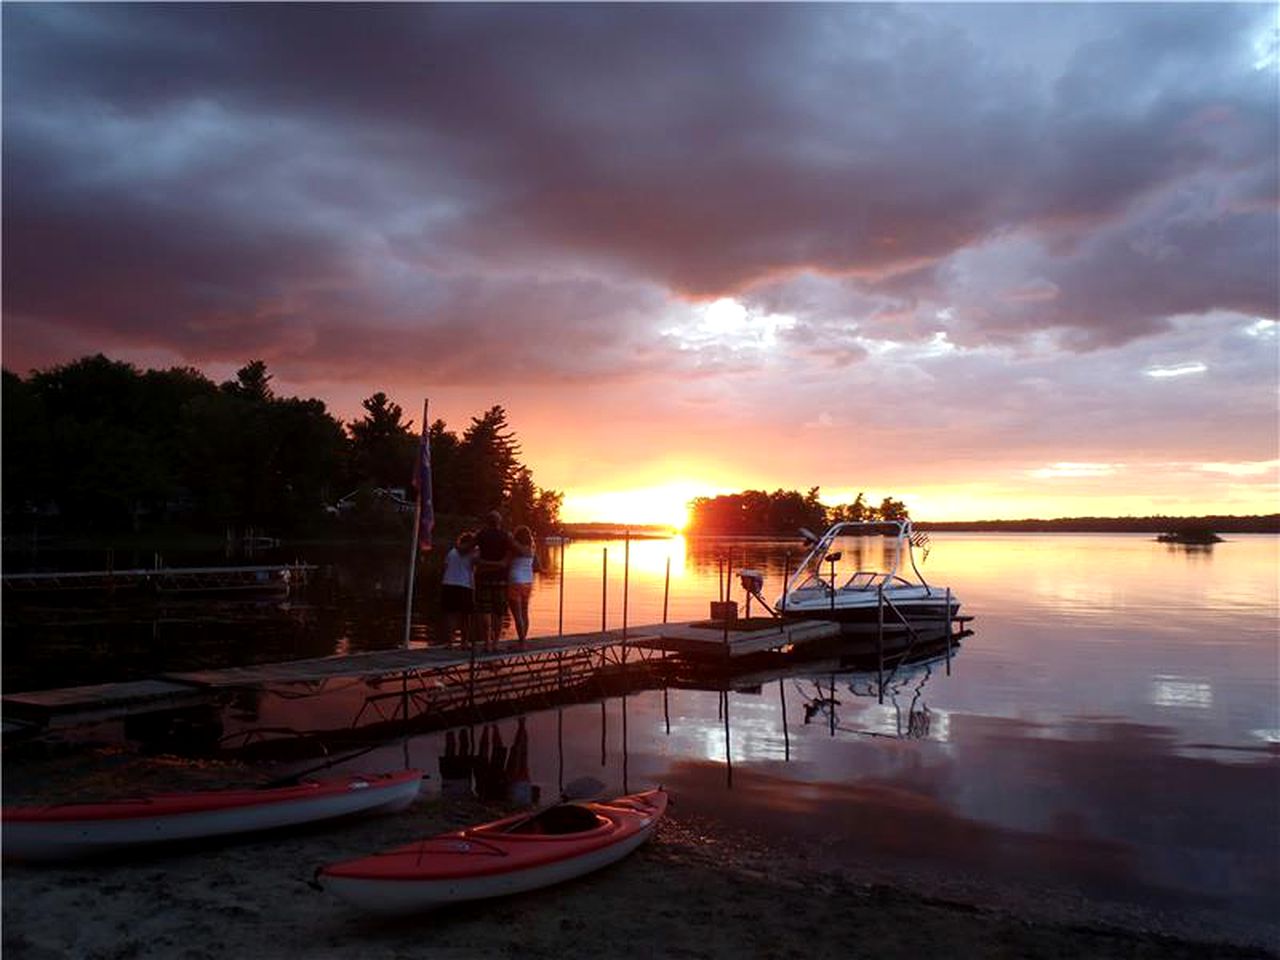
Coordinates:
(699, 889)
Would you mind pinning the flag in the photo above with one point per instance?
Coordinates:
(422, 484)
(920, 540)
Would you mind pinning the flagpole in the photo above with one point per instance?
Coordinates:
(417, 525)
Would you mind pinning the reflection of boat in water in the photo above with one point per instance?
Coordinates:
(823, 701)
(815, 590)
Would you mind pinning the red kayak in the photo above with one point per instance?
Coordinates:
(519, 853)
(80, 829)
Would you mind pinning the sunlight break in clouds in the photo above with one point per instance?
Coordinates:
(1179, 370)
(729, 324)
(1076, 470)
(1258, 469)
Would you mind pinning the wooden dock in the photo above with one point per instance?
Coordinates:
(171, 689)
(422, 688)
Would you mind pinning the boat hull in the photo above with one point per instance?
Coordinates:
(78, 830)
(868, 611)
(483, 862)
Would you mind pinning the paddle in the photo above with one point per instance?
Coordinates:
(294, 778)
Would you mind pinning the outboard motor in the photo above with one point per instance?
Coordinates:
(753, 582)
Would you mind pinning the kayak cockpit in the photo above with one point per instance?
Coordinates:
(558, 821)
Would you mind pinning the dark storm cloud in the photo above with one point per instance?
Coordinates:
(349, 186)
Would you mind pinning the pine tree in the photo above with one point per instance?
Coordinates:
(383, 447)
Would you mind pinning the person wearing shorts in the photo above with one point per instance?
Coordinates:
(520, 580)
(494, 547)
(457, 590)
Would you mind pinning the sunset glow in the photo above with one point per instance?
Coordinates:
(667, 505)
(1020, 280)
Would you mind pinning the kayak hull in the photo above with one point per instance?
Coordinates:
(69, 831)
(483, 862)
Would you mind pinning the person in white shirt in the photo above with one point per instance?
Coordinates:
(520, 580)
(457, 592)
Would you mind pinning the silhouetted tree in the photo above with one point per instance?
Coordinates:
(383, 447)
(109, 448)
(487, 462)
(891, 509)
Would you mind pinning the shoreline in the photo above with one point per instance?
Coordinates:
(699, 889)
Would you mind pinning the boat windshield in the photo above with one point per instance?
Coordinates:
(857, 556)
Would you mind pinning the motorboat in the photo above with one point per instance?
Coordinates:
(860, 590)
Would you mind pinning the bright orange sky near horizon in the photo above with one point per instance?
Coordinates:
(998, 261)
(614, 454)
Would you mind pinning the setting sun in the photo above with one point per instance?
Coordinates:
(666, 504)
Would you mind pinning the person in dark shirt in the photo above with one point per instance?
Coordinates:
(495, 548)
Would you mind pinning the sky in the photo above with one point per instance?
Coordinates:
(997, 261)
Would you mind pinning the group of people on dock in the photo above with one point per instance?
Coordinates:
(487, 573)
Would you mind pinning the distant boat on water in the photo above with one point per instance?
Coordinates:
(1197, 537)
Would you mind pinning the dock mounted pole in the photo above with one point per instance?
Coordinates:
(604, 592)
(560, 624)
(413, 550)
(626, 585)
(949, 631)
(666, 590)
(880, 640)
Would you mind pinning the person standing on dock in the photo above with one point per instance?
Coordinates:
(520, 580)
(495, 550)
(457, 592)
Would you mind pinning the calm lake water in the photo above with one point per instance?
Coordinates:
(1110, 730)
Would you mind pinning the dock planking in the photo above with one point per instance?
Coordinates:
(699, 638)
(684, 637)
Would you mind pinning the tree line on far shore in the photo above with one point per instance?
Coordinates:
(97, 446)
(783, 512)
(759, 513)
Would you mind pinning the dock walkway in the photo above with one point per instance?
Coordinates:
(537, 654)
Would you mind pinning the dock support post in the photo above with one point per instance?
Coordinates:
(786, 580)
(626, 586)
(728, 744)
(831, 720)
(880, 642)
(604, 592)
(560, 624)
(666, 591)
(560, 748)
(786, 733)
(949, 631)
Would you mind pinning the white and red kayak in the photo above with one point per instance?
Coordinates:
(512, 855)
(81, 829)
